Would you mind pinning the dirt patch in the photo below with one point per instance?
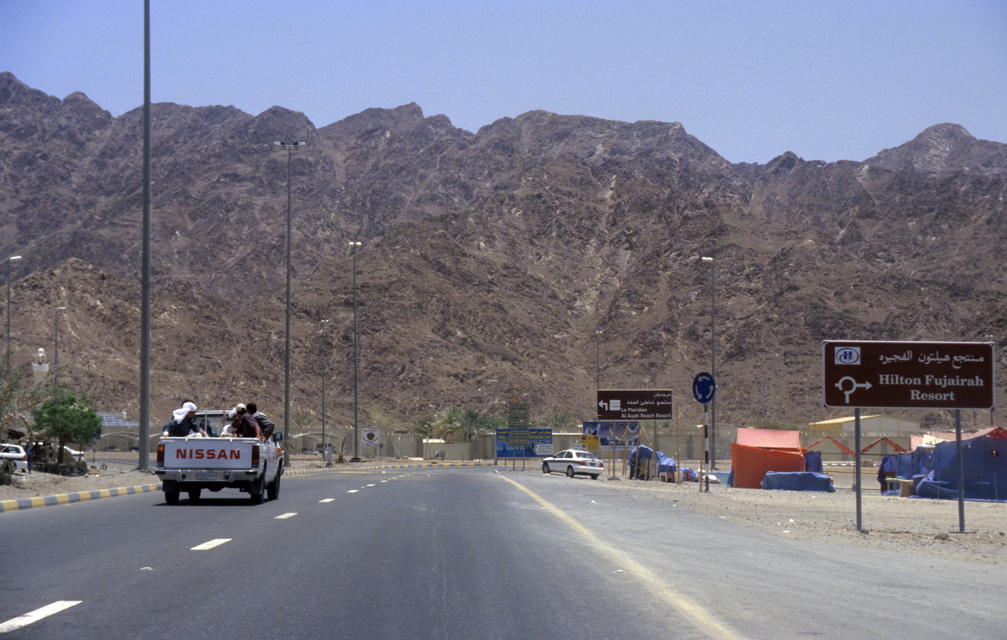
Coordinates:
(915, 525)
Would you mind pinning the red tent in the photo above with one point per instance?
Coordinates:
(770, 439)
(757, 451)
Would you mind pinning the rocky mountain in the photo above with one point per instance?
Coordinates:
(490, 261)
(945, 149)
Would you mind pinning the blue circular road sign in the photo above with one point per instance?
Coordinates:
(704, 387)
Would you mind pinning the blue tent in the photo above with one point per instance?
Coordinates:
(985, 469)
(666, 464)
(797, 481)
(639, 462)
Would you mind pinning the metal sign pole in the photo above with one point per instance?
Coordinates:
(653, 456)
(856, 444)
(961, 471)
(702, 454)
(611, 451)
(678, 451)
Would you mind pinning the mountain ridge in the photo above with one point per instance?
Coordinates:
(489, 260)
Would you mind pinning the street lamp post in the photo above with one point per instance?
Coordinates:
(7, 344)
(55, 335)
(713, 359)
(356, 362)
(325, 449)
(289, 147)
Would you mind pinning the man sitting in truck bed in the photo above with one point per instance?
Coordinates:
(182, 424)
(247, 425)
(265, 423)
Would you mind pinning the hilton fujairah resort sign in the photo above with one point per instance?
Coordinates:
(921, 375)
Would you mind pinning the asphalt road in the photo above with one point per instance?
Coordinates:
(459, 553)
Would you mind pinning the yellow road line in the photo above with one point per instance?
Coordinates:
(701, 618)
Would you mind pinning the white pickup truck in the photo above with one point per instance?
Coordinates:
(196, 463)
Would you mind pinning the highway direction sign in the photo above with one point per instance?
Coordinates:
(634, 404)
(907, 375)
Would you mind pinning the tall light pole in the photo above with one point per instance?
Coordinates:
(7, 344)
(713, 359)
(325, 449)
(143, 461)
(356, 361)
(55, 335)
(289, 147)
(597, 359)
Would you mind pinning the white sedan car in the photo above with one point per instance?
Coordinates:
(573, 462)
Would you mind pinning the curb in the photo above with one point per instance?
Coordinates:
(21, 504)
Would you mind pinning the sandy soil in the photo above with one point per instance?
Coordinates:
(892, 523)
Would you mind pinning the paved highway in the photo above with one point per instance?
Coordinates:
(459, 553)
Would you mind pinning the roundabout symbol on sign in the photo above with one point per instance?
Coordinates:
(704, 388)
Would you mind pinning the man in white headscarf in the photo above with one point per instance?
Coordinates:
(182, 424)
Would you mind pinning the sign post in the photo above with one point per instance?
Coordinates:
(633, 404)
(704, 388)
(860, 374)
(517, 420)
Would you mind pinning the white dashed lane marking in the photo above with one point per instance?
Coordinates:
(352, 491)
(23, 621)
(285, 516)
(206, 546)
(328, 500)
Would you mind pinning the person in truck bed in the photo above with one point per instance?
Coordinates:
(265, 423)
(230, 424)
(248, 427)
(182, 424)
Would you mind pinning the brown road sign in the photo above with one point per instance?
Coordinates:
(634, 404)
(907, 375)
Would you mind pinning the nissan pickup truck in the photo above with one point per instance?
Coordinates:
(195, 463)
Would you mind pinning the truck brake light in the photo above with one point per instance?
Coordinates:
(255, 456)
(160, 455)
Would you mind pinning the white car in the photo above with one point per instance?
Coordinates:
(74, 454)
(573, 462)
(16, 454)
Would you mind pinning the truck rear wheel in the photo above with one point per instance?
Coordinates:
(170, 489)
(273, 488)
(256, 491)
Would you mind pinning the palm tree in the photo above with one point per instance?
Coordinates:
(422, 427)
(448, 423)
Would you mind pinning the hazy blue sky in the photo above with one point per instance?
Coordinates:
(827, 80)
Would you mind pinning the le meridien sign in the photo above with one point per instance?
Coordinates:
(908, 375)
(634, 404)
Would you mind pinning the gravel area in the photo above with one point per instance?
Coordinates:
(897, 524)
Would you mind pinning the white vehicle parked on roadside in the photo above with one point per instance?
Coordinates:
(16, 454)
(573, 462)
